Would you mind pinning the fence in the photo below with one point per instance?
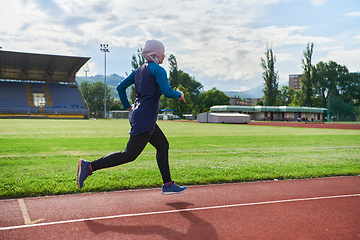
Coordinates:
(119, 114)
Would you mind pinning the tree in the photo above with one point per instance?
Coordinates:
(94, 96)
(332, 79)
(350, 87)
(213, 97)
(324, 84)
(341, 109)
(136, 62)
(345, 85)
(132, 94)
(321, 82)
(259, 103)
(163, 102)
(180, 107)
(306, 80)
(178, 77)
(271, 78)
(298, 98)
(173, 78)
(244, 99)
(116, 105)
(194, 87)
(286, 96)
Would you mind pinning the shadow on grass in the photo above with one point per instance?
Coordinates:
(198, 229)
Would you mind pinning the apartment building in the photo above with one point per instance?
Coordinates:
(294, 81)
(236, 100)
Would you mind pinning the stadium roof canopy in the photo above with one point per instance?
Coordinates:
(228, 108)
(39, 67)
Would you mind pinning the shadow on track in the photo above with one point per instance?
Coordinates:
(198, 229)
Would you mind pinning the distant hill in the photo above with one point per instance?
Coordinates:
(255, 92)
(111, 80)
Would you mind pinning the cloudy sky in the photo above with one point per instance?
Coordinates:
(219, 42)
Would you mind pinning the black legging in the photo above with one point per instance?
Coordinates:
(135, 146)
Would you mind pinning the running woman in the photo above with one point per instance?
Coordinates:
(150, 82)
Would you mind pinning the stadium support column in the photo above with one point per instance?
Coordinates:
(104, 48)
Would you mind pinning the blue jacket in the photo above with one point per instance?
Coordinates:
(150, 82)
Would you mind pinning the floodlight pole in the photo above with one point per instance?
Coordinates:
(104, 48)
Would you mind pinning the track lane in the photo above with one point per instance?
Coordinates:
(222, 210)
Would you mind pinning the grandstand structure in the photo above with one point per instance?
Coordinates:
(40, 86)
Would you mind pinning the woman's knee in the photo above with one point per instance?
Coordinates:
(164, 146)
(130, 155)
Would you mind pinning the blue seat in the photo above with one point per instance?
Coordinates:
(66, 100)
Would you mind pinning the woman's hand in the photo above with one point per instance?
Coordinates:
(182, 96)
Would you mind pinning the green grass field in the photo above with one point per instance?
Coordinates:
(39, 157)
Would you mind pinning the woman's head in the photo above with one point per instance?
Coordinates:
(153, 51)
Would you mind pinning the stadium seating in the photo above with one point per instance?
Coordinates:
(13, 98)
(37, 87)
(65, 98)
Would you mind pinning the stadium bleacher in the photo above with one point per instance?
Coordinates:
(65, 98)
(36, 85)
(13, 98)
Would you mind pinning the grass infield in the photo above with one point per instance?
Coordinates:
(39, 157)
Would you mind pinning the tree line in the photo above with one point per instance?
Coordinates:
(324, 84)
(94, 96)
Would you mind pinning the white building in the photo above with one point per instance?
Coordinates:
(274, 112)
(217, 117)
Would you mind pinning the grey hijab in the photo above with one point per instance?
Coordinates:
(153, 51)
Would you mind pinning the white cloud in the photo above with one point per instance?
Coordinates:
(349, 58)
(90, 68)
(283, 57)
(218, 41)
(283, 78)
(354, 14)
(318, 2)
(240, 58)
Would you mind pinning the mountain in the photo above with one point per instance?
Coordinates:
(111, 80)
(255, 92)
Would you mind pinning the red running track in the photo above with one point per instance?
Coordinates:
(332, 125)
(309, 125)
(325, 208)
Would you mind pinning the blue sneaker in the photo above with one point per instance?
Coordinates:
(83, 172)
(172, 189)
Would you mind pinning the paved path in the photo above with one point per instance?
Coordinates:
(326, 208)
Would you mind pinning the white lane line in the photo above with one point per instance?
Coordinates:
(26, 214)
(179, 210)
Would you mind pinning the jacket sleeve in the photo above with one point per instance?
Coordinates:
(121, 88)
(163, 82)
